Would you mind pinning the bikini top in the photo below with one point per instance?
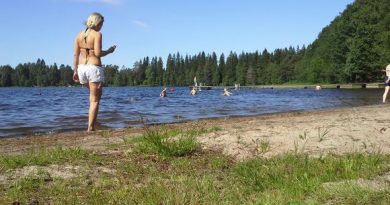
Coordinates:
(86, 49)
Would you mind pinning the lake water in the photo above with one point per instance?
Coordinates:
(26, 111)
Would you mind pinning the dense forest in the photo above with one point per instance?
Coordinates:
(353, 48)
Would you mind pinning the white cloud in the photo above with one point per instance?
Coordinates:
(111, 2)
(141, 24)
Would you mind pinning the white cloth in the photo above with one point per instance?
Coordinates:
(90, 73)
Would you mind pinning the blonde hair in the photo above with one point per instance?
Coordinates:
(92, 22)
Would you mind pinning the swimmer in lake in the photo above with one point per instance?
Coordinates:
(163, 92)
(193, 91)
(226, 92)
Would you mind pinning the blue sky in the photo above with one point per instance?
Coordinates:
(32, 29)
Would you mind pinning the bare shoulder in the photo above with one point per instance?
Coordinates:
(79, 36)
(96, 33)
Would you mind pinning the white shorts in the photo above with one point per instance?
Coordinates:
(90, 73)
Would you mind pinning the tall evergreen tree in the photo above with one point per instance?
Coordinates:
(5, 76)
(230, 69)
(170, 72)
(217, 74)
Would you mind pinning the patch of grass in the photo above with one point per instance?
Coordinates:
(42, 157)
(264, 145)
(349, 194)
(297, 176)
(30, 185)
(169, 143)
(203, 177)
(210, 178)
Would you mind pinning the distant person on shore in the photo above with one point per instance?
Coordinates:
(193, 91)
(87, 65)
(226, 92)
(387, 82)
(163, 93)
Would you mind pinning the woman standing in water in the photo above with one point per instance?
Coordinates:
(87, 65)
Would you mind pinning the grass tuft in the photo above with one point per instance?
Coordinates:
(322, 135)
(169, 143)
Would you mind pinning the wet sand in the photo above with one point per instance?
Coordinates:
(363, 129)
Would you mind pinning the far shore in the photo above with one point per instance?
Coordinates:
(364, 129)
(313, 86)
(276, 86)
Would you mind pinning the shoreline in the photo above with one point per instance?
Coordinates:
(319, 132)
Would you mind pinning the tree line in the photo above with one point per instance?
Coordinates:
(210, 69)
(36, 74)
(244, 68)
(353, 48)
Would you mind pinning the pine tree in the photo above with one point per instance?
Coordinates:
(217, 74)
(170, 72)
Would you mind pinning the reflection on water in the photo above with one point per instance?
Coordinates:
(42, 110)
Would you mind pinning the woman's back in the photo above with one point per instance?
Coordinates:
(86, 45)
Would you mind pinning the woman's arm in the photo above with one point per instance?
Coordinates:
(98, 46)
(76, 55)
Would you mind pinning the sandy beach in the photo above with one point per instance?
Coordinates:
(363, 129)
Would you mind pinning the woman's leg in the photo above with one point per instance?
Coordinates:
(95, 93)
(387, 88)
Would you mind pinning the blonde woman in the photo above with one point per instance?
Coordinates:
(87, 64)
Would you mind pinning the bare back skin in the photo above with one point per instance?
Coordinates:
(89, 48)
